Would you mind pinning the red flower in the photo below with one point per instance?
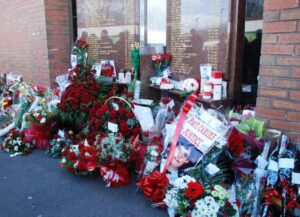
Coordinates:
(154, 186)
(124, 126)
(122, 111)
(194, 190)
(113, 114)
(81, 165)
(165, 100)
(235, 143)
(129, 115)
(158, 195)
(72, 157)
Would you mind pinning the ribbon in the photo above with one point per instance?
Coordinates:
(185, 110)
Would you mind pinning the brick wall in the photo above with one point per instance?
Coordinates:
(23, 40)
(28, 46)
(278, 99)
(58, 36)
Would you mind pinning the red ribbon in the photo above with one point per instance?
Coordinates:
(186, 108)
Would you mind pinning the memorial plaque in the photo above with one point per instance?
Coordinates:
(198, 33)
(110, 27)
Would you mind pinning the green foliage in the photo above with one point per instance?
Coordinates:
(24, 108)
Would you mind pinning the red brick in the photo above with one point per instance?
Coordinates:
(297, 50)
(267, 60)
(284, 125)
(274, 72)
(272, 92)
(290, 14)
(284, 26)
(270, 113)
(263, 102)
(295, 95)
(288, 61)
(294, 116)
(285, 83)
(296, 73)
(280, 4)
(271, 15)
(269, 38)
(294, 137)
(265, 81)
(277, 49)
(287, 105)
(289, 38)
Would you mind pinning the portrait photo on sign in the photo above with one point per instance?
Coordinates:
(186, 156)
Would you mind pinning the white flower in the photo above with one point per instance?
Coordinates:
(214, 207)
(43, 120)
(16, 148)
(200, 209)
(221, 203)
(218, 188)
(154, 153)
(63, 160)
(171, 198)
(209, 199)
(214, 194)
(222, 195)
(182, 182)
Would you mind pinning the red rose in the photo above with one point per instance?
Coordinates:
(194, 190)
(122, 111)
(124, 128)
(165, 100)
(72, 157)
(129, 115)
(81, 165)
(158, 196)
(113, 114)
(235, 143)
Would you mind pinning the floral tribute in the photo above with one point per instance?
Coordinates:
(112, 147)
(57, 144)
(80, 159)
(14, 144)
(115, 112)
(154, 187)
(161, 62)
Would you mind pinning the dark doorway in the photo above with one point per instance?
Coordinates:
(74, 21)
(252, 50)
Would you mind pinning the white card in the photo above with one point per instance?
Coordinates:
(273, 165)
(261, 162)
(296, 178)
(212, 169)
(287, 163)
(113, 127)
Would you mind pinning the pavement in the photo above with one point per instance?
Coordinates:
(35, 186)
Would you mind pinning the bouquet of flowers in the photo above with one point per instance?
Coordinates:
(165, 113)
(80, 159)
(14, 145)
(153, 154)
(40, 117)
(79, 52)
(115, 116)
(161, 62)
(189, 197)
(111, 147)
(154, 187)
(57, 144)
(77, 97)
